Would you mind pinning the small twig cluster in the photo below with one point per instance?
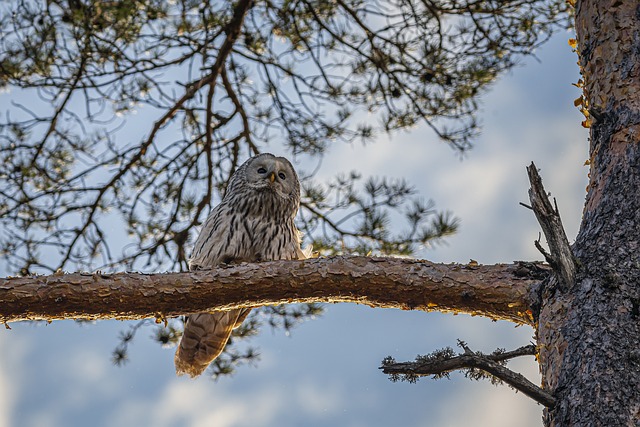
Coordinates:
(474, 365)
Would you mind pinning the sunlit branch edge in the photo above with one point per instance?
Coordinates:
(500, 291)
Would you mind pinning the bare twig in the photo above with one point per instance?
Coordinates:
(443, 363)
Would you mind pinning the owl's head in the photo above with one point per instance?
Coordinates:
(268, 172)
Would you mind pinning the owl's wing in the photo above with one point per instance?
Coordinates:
(210, 246)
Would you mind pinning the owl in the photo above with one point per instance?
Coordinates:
(253, 222)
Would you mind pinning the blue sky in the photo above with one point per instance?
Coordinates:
(326, 373)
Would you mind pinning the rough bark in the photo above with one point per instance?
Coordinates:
(589, 334)
(498, 291)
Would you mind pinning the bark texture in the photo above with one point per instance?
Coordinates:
(589, 335)
(498, 291)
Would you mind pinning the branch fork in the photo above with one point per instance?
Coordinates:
(440, 363)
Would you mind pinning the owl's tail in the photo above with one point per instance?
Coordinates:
(204, 338)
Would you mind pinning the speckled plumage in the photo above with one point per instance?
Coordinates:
(253, 222)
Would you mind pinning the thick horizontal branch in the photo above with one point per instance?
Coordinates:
(497, 291)
(487, 363)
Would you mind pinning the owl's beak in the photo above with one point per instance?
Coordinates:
(272, 176)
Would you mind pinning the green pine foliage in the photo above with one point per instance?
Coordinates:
(217, 82)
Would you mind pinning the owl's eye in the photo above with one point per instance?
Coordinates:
(281, 175)
(262, 170)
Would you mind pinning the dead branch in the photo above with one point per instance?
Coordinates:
(441, 363)
(561, 256)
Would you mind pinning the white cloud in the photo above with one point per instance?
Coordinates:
(202, 403)
(85, 364)
(10, 368)
(6, 396)
(318, 400)
(488, 406)
(88, 371)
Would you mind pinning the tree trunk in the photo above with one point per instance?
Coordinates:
(589, 330)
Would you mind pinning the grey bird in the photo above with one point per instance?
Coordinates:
(253, 222)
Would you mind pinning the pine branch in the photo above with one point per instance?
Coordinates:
(497, 291)
(442, 362)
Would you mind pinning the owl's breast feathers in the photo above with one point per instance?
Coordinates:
(258, 227)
